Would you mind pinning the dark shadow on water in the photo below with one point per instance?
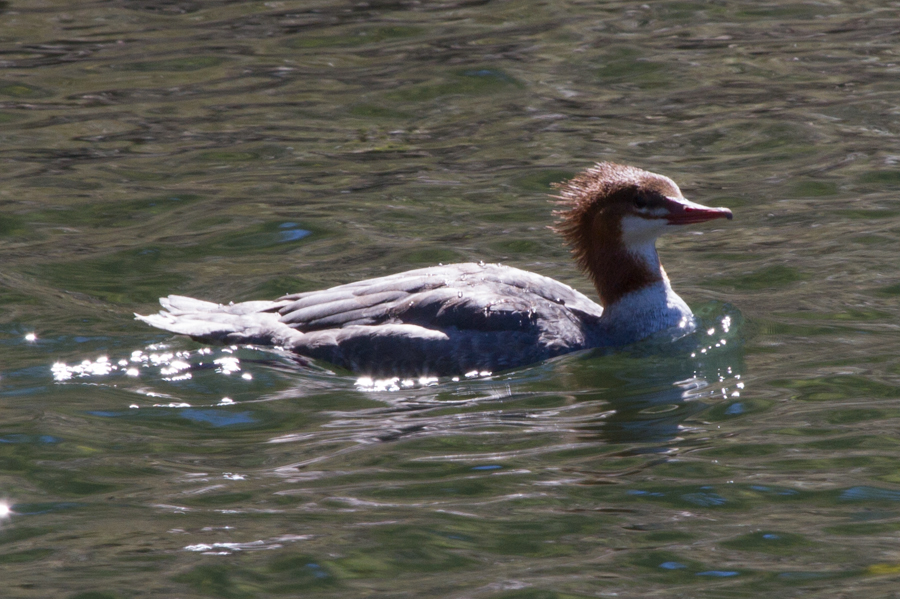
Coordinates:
(646, 392)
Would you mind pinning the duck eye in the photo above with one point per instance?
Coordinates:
(641, 200)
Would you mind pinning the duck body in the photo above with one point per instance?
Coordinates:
(458, 318)
(441, 320)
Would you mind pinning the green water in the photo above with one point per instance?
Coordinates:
(235, 150)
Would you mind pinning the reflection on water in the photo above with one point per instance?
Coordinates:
(247, 149)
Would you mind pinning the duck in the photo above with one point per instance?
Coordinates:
(474, 317)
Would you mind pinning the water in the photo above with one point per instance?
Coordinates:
(238, 150)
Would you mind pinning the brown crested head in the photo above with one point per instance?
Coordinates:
(596, 200)
(611, 212)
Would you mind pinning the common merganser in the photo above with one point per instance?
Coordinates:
(454, 319)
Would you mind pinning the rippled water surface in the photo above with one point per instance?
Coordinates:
(236, 150)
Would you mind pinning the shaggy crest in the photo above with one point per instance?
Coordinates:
(590, 191)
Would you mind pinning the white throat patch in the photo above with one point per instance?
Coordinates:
(637, 230)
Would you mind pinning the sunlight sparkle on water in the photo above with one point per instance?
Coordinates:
(227, 365)
(475, 374)
(5, 509)
(99, 367)
(726, 324)
(366, 383)
(30, 337)
(172, 366)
